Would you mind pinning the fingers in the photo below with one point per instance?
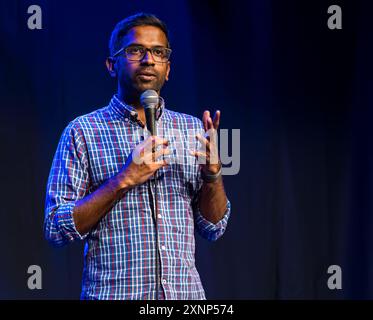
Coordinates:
(199, 154)
(154, 142)
(208, 123)
(162, 152)
(150, 145)
(209, 141)
(209, 152)
(151, 159)
(146, 151)
(154, 156)
(205, 157)
(205, 117)
(204, 141)
(161, 163)
(216, 121)
(154, 159)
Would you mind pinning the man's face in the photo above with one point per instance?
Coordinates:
(137, 76)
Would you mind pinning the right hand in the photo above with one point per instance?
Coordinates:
(143, 162)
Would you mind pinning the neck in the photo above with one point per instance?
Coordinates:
(132, 100)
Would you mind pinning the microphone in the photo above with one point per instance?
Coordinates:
(149, 100)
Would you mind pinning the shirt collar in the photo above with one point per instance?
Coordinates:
(127, 110)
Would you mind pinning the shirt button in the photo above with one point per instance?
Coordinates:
(163, 247)
(164, 281)
(126, 119)
(159, 215)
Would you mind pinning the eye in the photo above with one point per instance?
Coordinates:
(158, 52)
(134, 50)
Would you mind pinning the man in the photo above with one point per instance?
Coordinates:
(99, 186)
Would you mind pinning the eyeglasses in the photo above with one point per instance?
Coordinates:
(137, 53)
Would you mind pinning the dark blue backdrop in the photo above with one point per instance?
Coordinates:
(299, 92)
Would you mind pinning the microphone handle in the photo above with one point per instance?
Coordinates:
(150, 120)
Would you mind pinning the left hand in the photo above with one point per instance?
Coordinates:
(212, 164)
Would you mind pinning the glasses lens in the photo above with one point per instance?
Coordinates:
(160, 54)
(137, 53)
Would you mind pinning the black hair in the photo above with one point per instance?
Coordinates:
(138, 19)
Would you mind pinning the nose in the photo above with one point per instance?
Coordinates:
(148, 58)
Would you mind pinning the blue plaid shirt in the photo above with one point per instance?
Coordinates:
(120, 250)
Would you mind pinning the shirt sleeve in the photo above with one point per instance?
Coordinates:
(68, 182)
(207, 229)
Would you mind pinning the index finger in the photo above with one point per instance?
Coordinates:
(206, 115)
(216, 119)
(155, 141)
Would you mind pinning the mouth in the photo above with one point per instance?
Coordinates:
(146, 75)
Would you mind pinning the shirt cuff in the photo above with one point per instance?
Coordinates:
(212, 231)
(64, 221)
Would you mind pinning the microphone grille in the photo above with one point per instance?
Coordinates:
(149, 99)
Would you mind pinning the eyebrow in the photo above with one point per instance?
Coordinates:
(138, 44)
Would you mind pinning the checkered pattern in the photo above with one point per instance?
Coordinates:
(120, 249)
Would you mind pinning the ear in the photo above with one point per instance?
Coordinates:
(110, 65)
(168, 69)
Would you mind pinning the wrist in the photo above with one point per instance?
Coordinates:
(211, 177)
(120, 185)
(212, 169)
